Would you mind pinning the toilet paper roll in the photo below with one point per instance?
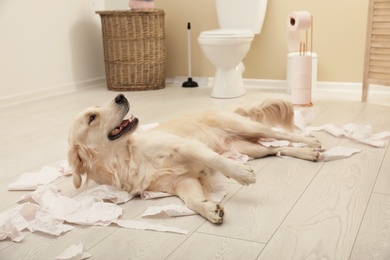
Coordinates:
(296, 22)
(301, 80)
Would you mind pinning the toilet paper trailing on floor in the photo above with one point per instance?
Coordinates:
(297, 22)
(301, 80)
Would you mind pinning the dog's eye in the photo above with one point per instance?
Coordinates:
(91, 118)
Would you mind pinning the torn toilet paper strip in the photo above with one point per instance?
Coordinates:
(31, 180)
(105, 192)
(65, 168)
(303, 117)
(236, 156)
(215, 193)
(147, 195)
(357, 132)
(338, 152)
(332, 154)
(171, 210)
(74, 252)
(275, 143)
(142, 225)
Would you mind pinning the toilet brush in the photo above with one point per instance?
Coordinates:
(189, 83)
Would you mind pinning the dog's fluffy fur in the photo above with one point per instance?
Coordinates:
(178, 156)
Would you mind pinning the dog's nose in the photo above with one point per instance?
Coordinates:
(120, 99)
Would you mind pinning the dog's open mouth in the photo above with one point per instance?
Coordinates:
(127, 125)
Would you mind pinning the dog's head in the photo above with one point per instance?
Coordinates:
(95, 132)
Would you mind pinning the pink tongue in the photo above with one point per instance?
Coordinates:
(124, 123)
(120, 127)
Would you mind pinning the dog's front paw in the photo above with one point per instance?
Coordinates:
(243, 174)
(311, 154)
(312, 142)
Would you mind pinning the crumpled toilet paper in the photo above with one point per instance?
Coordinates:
(29, 216)
(105, 192)
(31, 180)
(48, 211)
(362, 133)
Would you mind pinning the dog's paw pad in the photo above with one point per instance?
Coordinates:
(316, 156)
(215, 213)
(311, 154)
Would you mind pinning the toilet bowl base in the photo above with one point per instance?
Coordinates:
(228, 83)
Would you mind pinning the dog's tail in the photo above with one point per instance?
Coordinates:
(276, 113)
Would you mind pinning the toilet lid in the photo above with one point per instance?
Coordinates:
(228, 33)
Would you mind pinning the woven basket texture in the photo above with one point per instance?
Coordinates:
(134, 49)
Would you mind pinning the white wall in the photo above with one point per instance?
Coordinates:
(116, 4)
(48, 45)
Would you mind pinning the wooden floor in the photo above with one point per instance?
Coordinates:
(296, 210)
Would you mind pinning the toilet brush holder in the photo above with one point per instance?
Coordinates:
(189, 83)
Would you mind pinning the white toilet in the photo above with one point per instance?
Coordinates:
(226, 47)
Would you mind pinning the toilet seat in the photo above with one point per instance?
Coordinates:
(227, 34)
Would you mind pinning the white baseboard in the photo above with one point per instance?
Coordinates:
(281, 85)
(320, 86)
(49, 92)
(266, 84)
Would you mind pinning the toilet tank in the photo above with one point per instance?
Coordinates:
(241, 14)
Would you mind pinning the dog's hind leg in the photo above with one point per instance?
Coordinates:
(190, 190)
(251, 130)
(257, 151)
(197, 155)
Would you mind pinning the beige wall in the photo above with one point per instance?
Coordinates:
(48, 44)
(339, 38)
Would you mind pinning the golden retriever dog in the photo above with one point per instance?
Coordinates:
(178, 156)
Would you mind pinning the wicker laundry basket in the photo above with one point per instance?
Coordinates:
(134, 49)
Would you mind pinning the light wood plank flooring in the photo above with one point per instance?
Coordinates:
(296, 209)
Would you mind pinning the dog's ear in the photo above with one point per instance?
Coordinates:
(77, 163)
